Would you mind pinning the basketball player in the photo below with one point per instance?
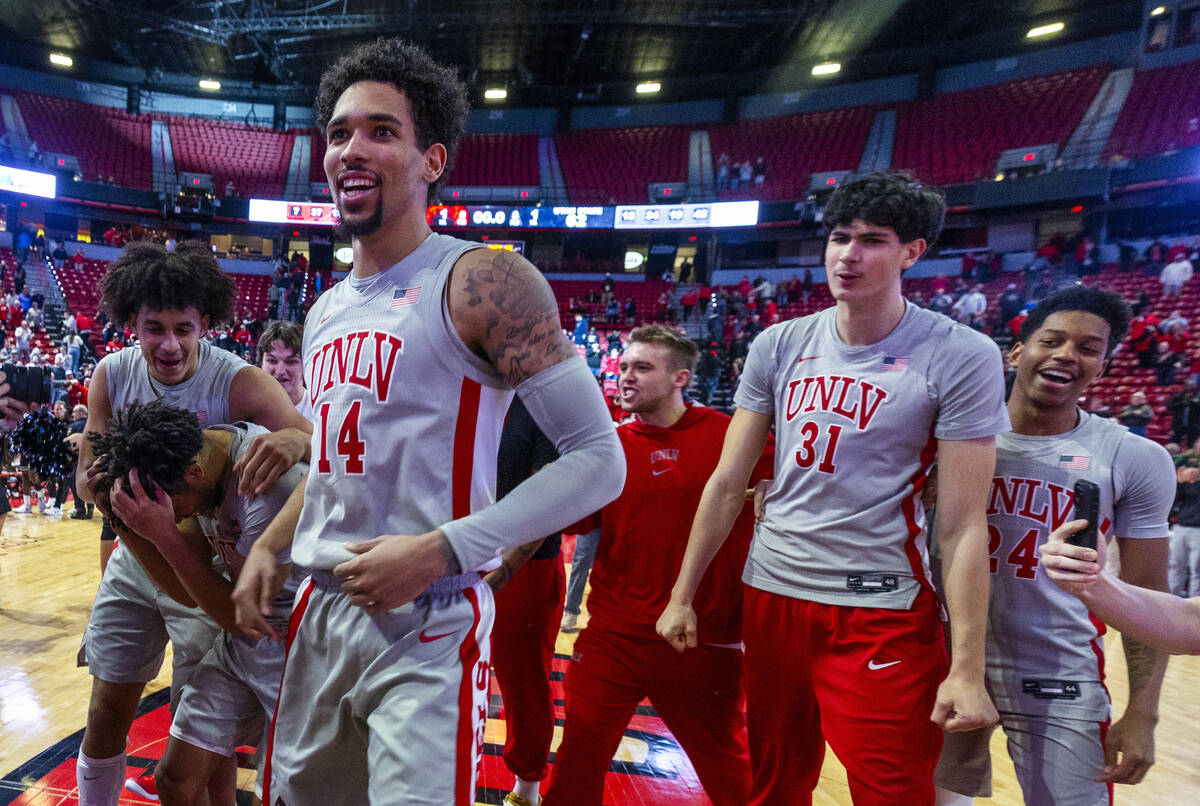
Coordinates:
(1045, 659)
(279, 355)
(164, 469)
(842, 628)
(1157, 619)
(671, 449)
(411, 363)
(169, 299)
(529, 587)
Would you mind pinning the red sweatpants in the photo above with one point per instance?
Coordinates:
(698, 694)
(862, 678)
(528, 611)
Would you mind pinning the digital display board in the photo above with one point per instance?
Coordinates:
(686, 216)
(456, 216)
(543, 217)
(289, 212)
(27, 183)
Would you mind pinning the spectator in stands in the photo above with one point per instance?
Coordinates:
(85, 325)
(23, 334)
(24, 300)
(723, 171)
(1156, 257)
(746, 173)
(59, 255)
(1137, 414)
(1176, 318)
(24, 242)
(1184, 407)
(760, 171)
(1143, 335)
(607, 287)
(612, 310)
(807, 286)
(79, 259)
(1011, 302)
(763, 290)
(630, 311)
(971, 308)
(752, 328)
(1168, 364)
(1174, 275)
(969, 263)
(688, 302)
(35, 317)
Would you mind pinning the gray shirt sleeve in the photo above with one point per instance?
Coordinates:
(1144, 488)
(967, 380)
(757, 389)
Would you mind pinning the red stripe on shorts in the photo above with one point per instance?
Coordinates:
(1104, 726)
(464, 449)
(465, 757)
(293, 628)
(908, 505)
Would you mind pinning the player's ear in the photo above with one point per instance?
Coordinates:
(1014, 354)
(682, 378)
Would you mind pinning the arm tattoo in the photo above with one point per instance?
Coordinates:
(1140, 661)
(523, 331)
(511, 563)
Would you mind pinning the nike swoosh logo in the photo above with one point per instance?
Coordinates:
(91, 777)
(807, 358)
(324, 319)
(425, 639)
(660, 472)
(872, 665)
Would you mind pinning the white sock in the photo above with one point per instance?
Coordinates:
(524, 789)
(945, 798)
(99, 779)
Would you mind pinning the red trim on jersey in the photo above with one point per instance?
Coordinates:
(293, 628)
(1098, 649)
(908, 505)
(464, 449)
(464, 750)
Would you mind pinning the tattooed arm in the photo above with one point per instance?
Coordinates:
(505, 311)
(511, 563)
(1129, 749)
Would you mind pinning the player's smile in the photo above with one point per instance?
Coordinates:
(1064, 355)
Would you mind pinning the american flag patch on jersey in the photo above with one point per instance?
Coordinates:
(1066, 462)
(202, 418)
(406, 296)
(893, 363)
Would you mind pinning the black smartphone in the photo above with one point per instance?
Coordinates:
(1087, 505)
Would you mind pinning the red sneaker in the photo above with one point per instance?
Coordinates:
(143, 787)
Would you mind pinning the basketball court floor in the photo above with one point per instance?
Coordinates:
(49, 570)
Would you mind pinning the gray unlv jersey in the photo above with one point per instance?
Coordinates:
(237, 521)
(205, 394)
(856, 432)
(408, 419)
(1044, 650)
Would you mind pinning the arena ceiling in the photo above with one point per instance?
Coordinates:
(542, 52)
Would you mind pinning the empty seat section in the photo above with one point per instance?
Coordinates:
(1161, 113)
(496, 159)
(606, 166)
(254, 158)
(110, 143)
(957, 137)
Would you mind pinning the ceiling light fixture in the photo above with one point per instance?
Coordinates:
(826, 69)
(209, 84)
(495, 94)
(1157, 10)
(61, 60)
(1045, 30)
(648, 87)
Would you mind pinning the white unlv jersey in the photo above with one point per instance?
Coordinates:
(205, 394)
(1044, 653)
(856, 431)
(408, 419)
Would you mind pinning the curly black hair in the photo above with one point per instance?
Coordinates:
(1109, 306)
(894, 199)
(161, 441)
(437, 97)
(147, 274)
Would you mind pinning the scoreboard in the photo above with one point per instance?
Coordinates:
(570, 217)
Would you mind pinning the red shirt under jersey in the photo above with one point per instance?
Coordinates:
(645, 531)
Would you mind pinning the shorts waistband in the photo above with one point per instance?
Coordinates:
(442, 586)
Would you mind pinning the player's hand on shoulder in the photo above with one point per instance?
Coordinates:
(268, 457)
(1072, 568)
(392, 570)
(963, 704)
(1129, 749)
(259, 582)
(148, 512)
(677, 626)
